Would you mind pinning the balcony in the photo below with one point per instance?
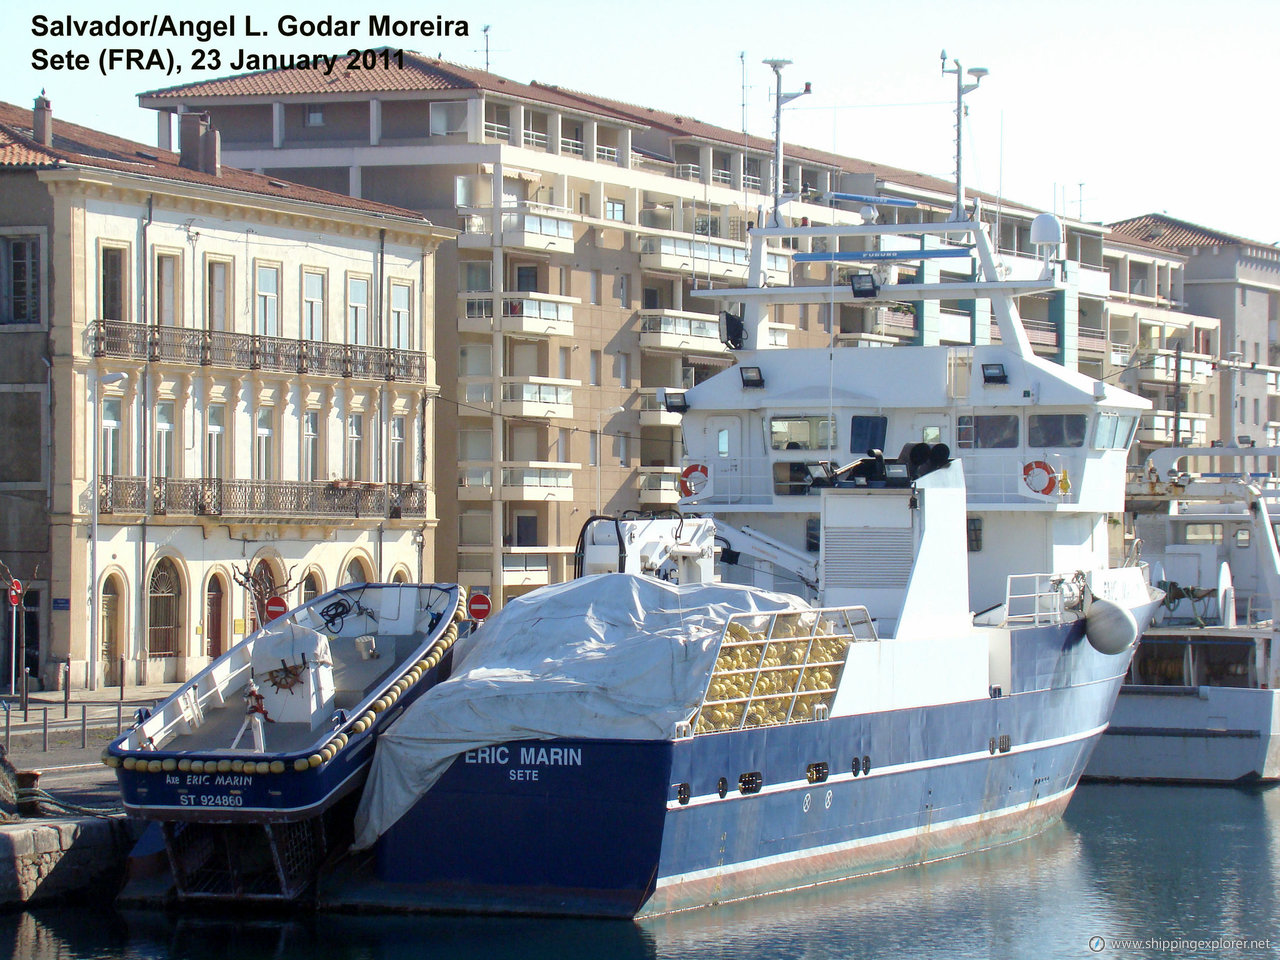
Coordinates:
(242, 351)
(262, 499)
(659, 486)
(477, 396)
(522, 568)
(722, 176)
(1163, 367)
(538, 397)
(654, 414)
(535, 227)
(606, 154)
(678, 331)
(1092, 341)
(538, 481)
(570, 146)
(1157, 428)
(536, 314)
(688, 171)
(724, 260)
(497, 131)
(475, 483)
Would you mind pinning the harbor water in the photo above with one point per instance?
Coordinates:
(1133, 871)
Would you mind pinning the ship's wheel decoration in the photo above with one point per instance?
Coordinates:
(286, 676)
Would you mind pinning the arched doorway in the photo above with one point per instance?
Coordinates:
(356, 572)
(110, 633)
(400, 576)
(215, 620)
(164, 610)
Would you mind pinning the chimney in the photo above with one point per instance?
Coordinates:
(192, 130)
(42, 121)
(211, 152)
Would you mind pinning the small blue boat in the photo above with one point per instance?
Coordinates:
(241, 766)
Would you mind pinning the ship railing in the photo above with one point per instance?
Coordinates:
(1033, 599)
(776, 668)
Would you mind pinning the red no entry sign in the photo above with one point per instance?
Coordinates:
(276, 607)
(478, 606)
(15, 592)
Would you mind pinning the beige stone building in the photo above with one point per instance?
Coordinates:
(587, 225)
(202, 370)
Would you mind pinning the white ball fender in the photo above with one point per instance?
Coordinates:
(1111, 628)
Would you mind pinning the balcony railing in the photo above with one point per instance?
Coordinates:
(244, 351)
(532, 138)
(291, 499)
(703, 251)
(568, 145)
(606, 154)
(498, 131)
(688, 171)
(751, 181)
(685, 326)
(721, 176)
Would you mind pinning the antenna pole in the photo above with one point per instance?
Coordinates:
(780, 98)
(958, 212)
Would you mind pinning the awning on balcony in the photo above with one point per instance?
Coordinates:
(714, 361)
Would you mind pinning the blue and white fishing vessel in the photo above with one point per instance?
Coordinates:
(1201, 702)
(909, 655)
(242, 765)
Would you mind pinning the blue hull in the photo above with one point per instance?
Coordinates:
(627, 828)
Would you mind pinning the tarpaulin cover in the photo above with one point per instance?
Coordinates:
(610, 656)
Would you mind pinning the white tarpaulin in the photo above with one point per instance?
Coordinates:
(614, 656)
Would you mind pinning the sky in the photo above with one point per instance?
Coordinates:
(1094, 109)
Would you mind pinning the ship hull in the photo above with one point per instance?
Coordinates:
(1191, 734)
(635, 828)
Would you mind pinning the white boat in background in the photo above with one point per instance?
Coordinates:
(1202, 699)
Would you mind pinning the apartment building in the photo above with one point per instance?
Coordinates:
(1158, 347)
(204, 373)
(1237, 281)
(587, 228)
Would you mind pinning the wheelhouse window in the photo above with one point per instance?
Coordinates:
(867, 433)
(802, 433)
(992, 432)
(1114, 431)
(1056, 429)
(19, 280)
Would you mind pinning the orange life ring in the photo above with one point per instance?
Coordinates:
(687, 488)
(1039, 476)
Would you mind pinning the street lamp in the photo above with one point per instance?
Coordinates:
(600, 415)
(961, 89)
(95, 482)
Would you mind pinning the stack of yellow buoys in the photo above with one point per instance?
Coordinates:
(335, 743)
(773, 676)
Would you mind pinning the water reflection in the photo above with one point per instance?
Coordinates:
(1130, 861)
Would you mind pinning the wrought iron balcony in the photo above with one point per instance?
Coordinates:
(285, 499)
(244, 351)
